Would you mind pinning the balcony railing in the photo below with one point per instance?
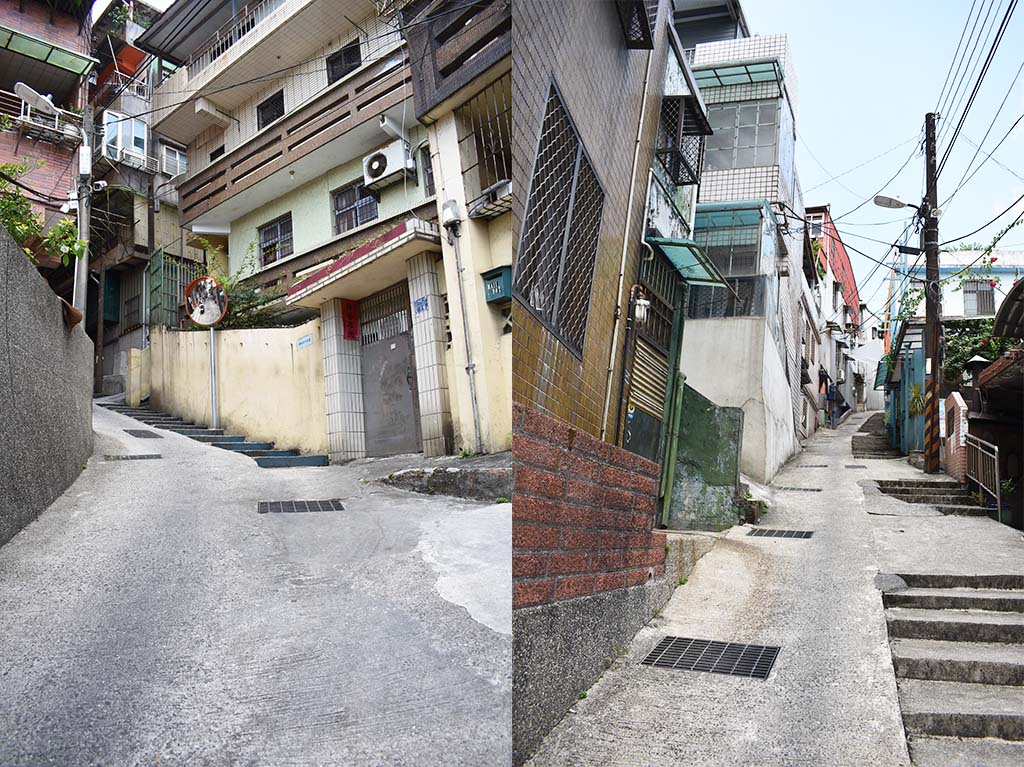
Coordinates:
(336, 111)
(63, 127)
(120, 84)
(131, 157)
(241, 24)
(983, 468)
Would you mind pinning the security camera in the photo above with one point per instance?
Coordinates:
(99, 186)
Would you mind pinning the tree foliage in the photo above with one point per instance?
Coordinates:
(250, 306)
(966, 338)
(24, 224)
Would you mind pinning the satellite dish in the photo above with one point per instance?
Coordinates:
(206, 301)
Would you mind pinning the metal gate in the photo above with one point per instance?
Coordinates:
(167, 277)
(648, 372)
(390, 399)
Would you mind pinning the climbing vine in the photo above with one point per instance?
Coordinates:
(965, 338)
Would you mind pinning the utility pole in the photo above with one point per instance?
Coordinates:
(81, 290)
(933, 297)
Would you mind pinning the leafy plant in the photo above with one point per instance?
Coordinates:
(502, 499)
(24, 224)
(1007, 487)
(916, 405)
(965, 338)
(249, 305)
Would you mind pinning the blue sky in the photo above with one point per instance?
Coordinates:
(867, 72)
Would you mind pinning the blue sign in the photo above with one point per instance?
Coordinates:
(420, 305)
(306, 340)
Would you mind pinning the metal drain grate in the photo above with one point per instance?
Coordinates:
(855, 466)
(750, 660)
(771, 532)
(800, 489)
(131, 457)
(812, 466)
(295, 507)
(143, 434)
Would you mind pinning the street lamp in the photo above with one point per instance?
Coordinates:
(882, 201)
(45, 104)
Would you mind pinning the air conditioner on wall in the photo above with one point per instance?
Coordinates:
(388, 165)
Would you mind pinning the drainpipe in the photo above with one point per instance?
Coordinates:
(625, 250)
(450, 219)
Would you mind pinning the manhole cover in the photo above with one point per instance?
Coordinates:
(750, 660)
(855, 466)
(131, 457)
(143, 434)
(294, 507)
(800, 489)
(768, 532)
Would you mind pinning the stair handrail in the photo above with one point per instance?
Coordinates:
(982, 465)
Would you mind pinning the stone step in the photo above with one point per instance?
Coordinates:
(1001, 600)
(245, 445)
(962, 510)
(948, 499)
(975, 662)
(941, 483)
(217, 437)
(926, 491)
(952, 581)
(196, 431)
(283, 461)
(268, 453)
(955, 625)
(970, 752)
(963, 710)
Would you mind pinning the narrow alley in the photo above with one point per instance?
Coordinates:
(831, 698)
(152, 616)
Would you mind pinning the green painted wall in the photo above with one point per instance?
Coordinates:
(707, 469)
(310, 206)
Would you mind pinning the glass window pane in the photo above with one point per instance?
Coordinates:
(719, 159)
(745, 157)
(766, 135)
(746, 137)
(768, 113)
(748, 114)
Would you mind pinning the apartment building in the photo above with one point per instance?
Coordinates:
(45, 45)
(750, 220)
(604, 217)
(141, 254)
(308, 167)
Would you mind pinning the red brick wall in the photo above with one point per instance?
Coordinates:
(583, 513)
(35, 20)
(58, 171)
(956, 454)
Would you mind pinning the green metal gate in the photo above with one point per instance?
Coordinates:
(167, 277)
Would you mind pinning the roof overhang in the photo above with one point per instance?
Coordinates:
(1009, 321)
(715, 215)
(688, 259)
(184, 27)
(739, 73)
(46, 52)
(369, 268)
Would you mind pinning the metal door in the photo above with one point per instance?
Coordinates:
(390, 399)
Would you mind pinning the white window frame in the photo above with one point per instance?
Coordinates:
(180, 161)
(121, 120)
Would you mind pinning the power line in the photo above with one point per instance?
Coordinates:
(987, 223)
(891, 179)
(957, 81)
(850, 170)
(949, 71)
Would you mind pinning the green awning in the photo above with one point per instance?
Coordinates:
(49, 53)
(738, 74)
(882, 373)
(688, 259)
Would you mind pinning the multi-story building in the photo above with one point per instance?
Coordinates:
(45, 45)
(607, 145)
(307, 166)
(750, 219)
(140, 252)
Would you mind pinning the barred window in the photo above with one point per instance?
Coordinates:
(276, 240)
(428, 172)
(270, 110)
(344, 61)
(979, 299)
(558, 245)
(733, 249)
(752, 299)
(745, 135)
(353, 207)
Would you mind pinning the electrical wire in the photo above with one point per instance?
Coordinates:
(949, 71)
(958, 79)
(987, 223)
(850, 170)
(891, 179)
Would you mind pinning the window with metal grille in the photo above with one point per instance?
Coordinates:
(216, 153)
(745, 135)
(276, 239)
(353, 206)
(385, 314)
(344, 61)
(733, 249)
(753, 294)
(485, 148)
(270, 110)
(979, 299)
(428, 172)
(680, 149)
(558, 244)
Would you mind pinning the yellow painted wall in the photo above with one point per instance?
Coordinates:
(311, 208)
(267, 389)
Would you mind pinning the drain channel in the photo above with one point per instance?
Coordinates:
(131, 457)
(812, 466)
(297, 507)
(771, 532)
(855, 466)
(800, 489)
(732, 658)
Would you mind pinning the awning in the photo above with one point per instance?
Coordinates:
(738, 74)
(882, 373)
(1009, 321)
(689, 260)
(46, 52)
(718, 215)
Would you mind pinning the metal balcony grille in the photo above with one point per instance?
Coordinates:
(558, 245)
(680, 147)
(485, 147)
(636, 24)
(385, 314)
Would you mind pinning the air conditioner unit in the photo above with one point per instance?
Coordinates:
(388, 165)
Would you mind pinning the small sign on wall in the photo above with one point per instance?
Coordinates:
(420, 305)
(306, 340)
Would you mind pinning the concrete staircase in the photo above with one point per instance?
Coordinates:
(262, 452)
(958, 650)
(946, 495)
(872, 440)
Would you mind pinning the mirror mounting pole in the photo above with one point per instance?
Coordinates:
(213, 381)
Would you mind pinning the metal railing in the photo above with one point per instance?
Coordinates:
(243, 22)
(983, 468)
(120, 84)
(63, 125)
(131, 157)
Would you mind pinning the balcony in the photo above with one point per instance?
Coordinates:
(224, 57)
(62, 128)
(124, 156)
(337, 125)
(455, 48)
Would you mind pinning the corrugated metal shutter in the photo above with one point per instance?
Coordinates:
(650, 379)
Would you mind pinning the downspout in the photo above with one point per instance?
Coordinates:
(625, 250)
(675, 397)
